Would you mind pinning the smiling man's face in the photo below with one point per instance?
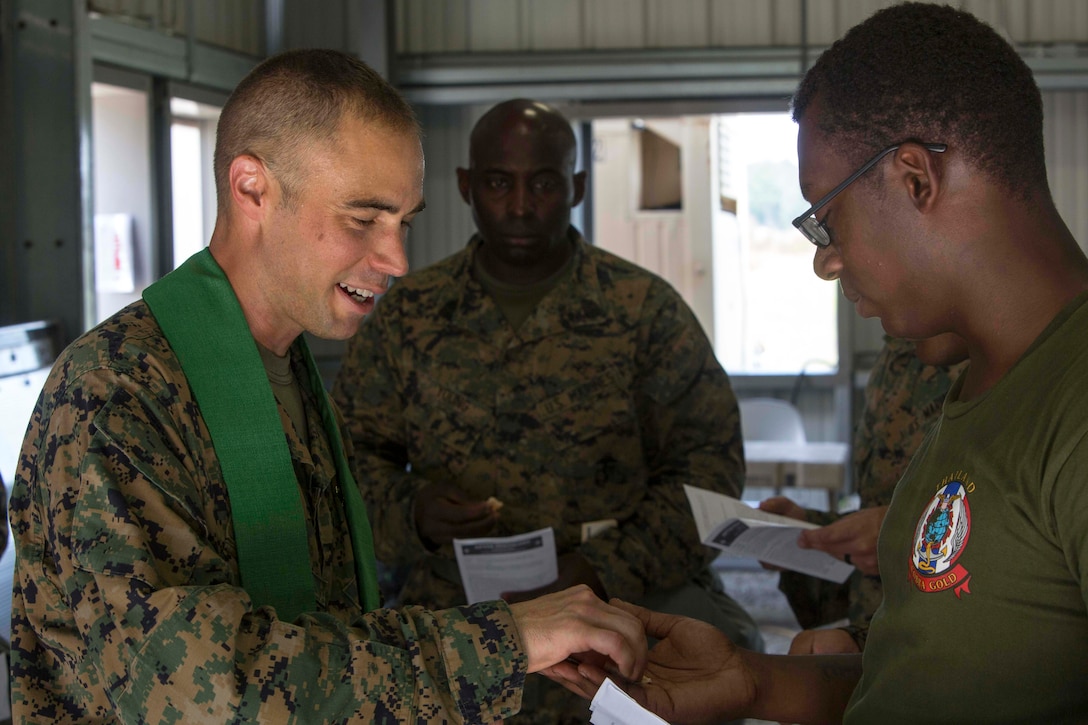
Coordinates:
(340, 239)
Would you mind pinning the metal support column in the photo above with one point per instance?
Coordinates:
(47, 272)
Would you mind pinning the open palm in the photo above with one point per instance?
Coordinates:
(693, 675)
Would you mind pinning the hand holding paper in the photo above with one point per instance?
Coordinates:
(853, 537)
(740, 530)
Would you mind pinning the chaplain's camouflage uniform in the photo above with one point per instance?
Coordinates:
(600, 406)
(903, 399)
(126, 605)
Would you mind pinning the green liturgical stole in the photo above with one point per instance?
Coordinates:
(200, 315)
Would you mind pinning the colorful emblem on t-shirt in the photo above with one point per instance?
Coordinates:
(939, 539)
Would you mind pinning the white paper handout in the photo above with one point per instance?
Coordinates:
(740, 530)
(491, 566)
(613, 706)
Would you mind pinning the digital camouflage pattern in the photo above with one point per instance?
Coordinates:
(599, 406)
(127, 607)
(903, 399)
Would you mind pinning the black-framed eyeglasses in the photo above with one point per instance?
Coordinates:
(814, 229)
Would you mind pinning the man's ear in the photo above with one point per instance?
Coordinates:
(463, 185)
(919, 171)
(579, 188)
(250, 186)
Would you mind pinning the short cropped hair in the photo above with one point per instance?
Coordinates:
(295, 98)
(933, 74)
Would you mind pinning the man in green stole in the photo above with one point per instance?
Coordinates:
(190, 543)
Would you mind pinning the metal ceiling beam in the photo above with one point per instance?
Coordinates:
(657, 74)
(176, 58)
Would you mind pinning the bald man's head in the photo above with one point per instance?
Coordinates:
(521, 186)
(527, 117)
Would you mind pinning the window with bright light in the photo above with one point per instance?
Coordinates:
(772, 314)
(188, 204)
(706, 202)
(192, 139)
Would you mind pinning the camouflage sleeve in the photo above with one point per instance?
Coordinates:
(127, 589)
(691, 434)
(367, 392)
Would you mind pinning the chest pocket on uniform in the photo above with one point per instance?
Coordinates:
(598, 410)
(446, 421)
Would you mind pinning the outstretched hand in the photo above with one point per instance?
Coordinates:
(694, 674)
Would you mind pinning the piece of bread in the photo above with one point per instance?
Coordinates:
(494, 503)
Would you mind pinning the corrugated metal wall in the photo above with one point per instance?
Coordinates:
(235, 24)
(474, 26)
(445, 147)
(457, 26)
(1066, 133)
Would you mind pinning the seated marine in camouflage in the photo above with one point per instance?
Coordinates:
(536, 369)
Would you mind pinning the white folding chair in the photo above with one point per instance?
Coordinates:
(770, 419)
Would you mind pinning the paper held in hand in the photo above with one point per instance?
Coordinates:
(740, 530)
(613, 706)
(491, 566)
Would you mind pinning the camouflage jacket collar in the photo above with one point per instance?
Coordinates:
(577, 300)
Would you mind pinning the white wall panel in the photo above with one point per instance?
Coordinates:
(1010, 17)
(1066, 134)
(305, 28)
(1065, 21)
(785, 22)
(446, 224)
(851, 12)
(740, 22)
(249, 36)
(495, 25)
(611, 24)
(555, 24)
(678, 24)
(405, 31)
(235, 24)
(823, 22)
(438, 26)
(1016, 24)
(426, 26)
